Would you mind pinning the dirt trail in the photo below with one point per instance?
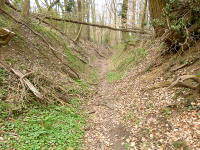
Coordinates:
(105, 130)
(126, 116)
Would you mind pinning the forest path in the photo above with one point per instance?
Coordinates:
(125, 115)
(105, 130)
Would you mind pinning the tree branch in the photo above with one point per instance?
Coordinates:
(134, 30)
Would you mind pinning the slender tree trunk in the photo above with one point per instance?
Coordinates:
(80, 18)
(134, 12)
(124, 18)
(144, 15)
(53, 4)
(26, 9)
(88, 20)
(93, 8)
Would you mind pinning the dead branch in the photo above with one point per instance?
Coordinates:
(180, 82)
(24, 80)
(134, 30)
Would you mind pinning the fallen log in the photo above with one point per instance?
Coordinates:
(134, 30)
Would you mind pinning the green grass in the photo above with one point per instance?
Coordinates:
(74, 61)
(113, 76)
(45, 30)
(4, 110)
(4, 22)
(123, 61)
(93, 76)
(131, 58)
(45, 127)
(3, 75)
(82, 88)
(180, 144)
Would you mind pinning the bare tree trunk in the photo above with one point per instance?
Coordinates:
(93, 9)
(88, 20)
(134, 12)
(124, 18)
(26, 9)
(144, 15)
(156, 9)
(80, 18)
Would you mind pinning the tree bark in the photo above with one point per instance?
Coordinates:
(80, 18)
(124, 18)
(144, 15)
(156, 9)
(134, 12)
(26, 9)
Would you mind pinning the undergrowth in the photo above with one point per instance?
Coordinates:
(45, 127)
(27, 123)
(45, 30)
(74, 61)
(123, 60)
(113, 76)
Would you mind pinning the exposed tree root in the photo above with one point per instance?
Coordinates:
(180, 82)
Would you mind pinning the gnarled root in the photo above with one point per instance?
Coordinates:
(180, 82)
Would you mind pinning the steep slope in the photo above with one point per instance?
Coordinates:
(139, 111)
(59, 70)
